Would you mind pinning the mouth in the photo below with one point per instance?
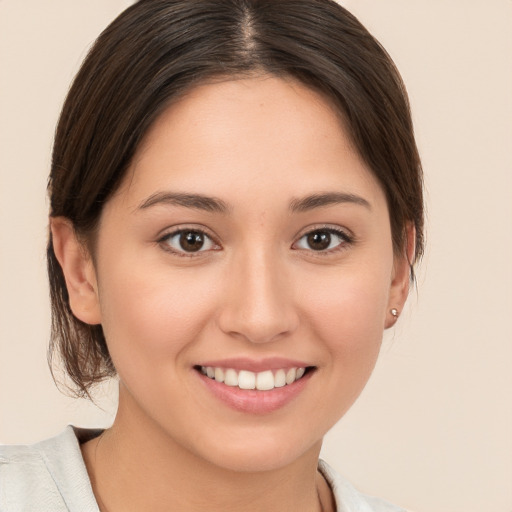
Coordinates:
(255, 386)
(266, 380)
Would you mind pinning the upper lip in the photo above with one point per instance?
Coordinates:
(256, 365)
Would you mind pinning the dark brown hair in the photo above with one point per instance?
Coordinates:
(158, 49)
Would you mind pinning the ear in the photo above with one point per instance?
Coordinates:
(78, 269)
(401, 279)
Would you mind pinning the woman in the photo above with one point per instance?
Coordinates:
(236, 207)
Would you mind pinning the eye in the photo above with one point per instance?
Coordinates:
(322, 240)
(188, 241)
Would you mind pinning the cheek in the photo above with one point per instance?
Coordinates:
(347, 312)
(153, 314)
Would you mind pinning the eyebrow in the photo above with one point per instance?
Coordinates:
(215, 205)
(195, 201)
(313, 201)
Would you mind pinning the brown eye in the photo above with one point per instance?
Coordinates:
(323, 240)
(319, 240)
(191, 241)
(188, 241)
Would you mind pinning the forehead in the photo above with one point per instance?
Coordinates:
(252, 105)
(263, 134)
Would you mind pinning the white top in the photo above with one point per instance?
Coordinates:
(51, 476)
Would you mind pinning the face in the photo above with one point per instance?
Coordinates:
(248, 244)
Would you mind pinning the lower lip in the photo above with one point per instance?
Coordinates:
(253, 401)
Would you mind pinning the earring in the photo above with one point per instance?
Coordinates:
(394, 312)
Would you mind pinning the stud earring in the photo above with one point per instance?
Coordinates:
(394, 312)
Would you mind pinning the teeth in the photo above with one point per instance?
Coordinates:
(219, 374)
(246, 380)
(290, 375)
(280, 379)
(262, 381)
(231, 378)
(265, 381)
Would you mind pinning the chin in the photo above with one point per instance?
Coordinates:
(260, 452)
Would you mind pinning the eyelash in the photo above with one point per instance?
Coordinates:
(164, 242)
(345, 240)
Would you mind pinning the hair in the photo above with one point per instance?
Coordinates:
(154, 52)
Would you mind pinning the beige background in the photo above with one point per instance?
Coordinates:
(433, 430)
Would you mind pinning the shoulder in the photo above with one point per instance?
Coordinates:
(349, 499)
(49, 475)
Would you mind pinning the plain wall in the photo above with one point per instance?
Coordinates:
(433, 429)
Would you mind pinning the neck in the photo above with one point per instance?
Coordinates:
(136, 466)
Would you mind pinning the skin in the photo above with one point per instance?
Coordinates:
(257, 290)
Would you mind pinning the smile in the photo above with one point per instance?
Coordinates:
(255, 386)
(261, 381)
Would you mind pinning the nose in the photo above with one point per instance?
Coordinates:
(258, 301)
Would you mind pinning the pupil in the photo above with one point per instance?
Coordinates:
(191, 241)
(319, 241)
